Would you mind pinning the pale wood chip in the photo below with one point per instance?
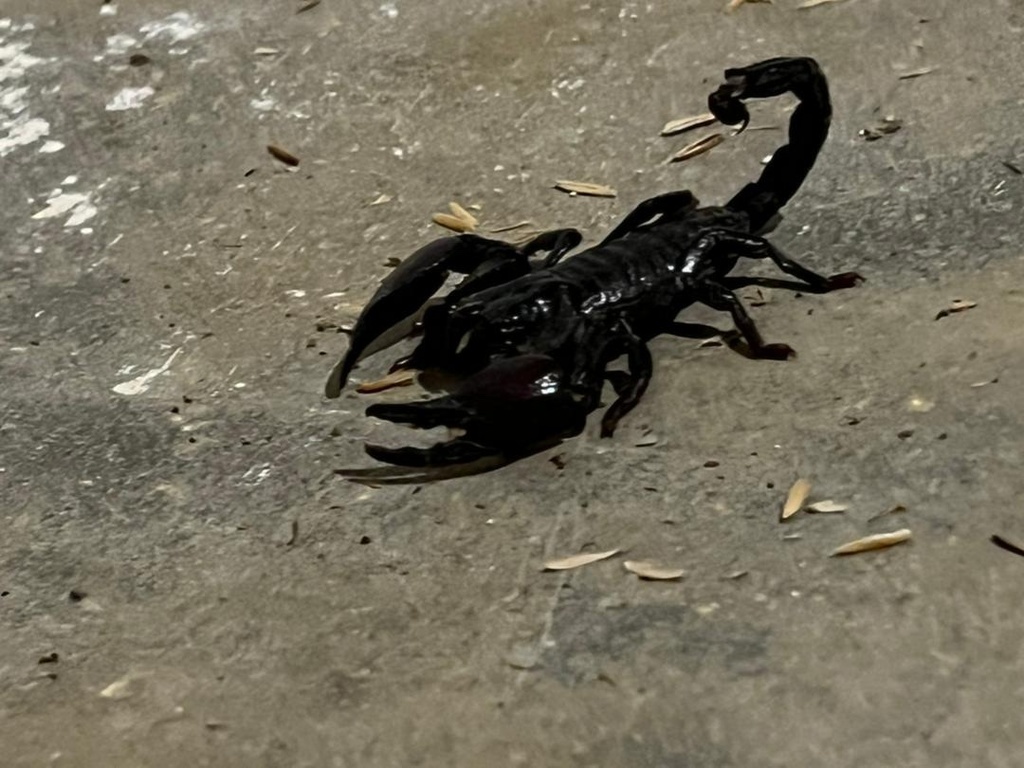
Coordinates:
(978, 384)
(958, 305)
(283, 155)
(815, 3)
(266, 52)
(683, 124)
(698, 147)
(577, 561)
(460, 212)
(652, 572)
(401, 378)
(453, 223)
(916, 73)
(877, 541)
(826, 506)
(510, 227)
(796, 498)
(734, 4)
(585, 188)
(382, 199)
(888, 125)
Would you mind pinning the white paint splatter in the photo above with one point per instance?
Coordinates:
(17, 127)
(296, 293)
(176, 27)
(140, 384)
(58, 204)
(82, 213)
(50, 147)
(129, 98)
(69, 180)
(108, 9)
(257, 474)
(389, 9)
(120, 44)
(265, 103)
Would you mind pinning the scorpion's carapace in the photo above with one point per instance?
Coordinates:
(528, 340)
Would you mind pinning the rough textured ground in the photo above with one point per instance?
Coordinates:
(392, 629)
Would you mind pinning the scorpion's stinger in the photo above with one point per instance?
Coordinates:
(808, 129)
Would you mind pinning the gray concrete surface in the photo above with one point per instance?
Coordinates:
(392, 629)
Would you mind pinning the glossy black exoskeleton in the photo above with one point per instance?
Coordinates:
(529, 340)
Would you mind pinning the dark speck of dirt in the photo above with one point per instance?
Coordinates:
(365, 540)
(77, 595)
(50, 658)
(711, 463)
(903, 434)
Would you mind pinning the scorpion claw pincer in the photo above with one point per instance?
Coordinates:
(513, 408)
(529, 343)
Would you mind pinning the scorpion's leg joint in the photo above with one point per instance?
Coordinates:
(721, 298)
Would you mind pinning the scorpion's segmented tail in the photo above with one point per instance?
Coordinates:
(808, 128)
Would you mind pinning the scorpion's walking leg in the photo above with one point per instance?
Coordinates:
(808, 129)
(721, 298)
(641, 367)
(670, 204)
(753, 247)
(590, 363)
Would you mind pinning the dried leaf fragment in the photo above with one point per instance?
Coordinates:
(585, 188)
(796, 498)
(400, 378)
(921, 71)
(684, 124)
(453, 223)
(698, 147)
(886, 126)
(877, 541)
(510, 227)
(652, 572)
(958, 305)
(734, 4)
(826, 506)
(459, 212)
(119, 689)
(578, 561)
(283, 155)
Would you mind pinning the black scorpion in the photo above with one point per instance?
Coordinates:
(529, 340)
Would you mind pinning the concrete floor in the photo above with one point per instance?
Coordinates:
(166, 451)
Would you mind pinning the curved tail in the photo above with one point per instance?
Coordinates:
(808, 129)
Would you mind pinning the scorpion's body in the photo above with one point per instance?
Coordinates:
(643, 280)
(531, 341)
